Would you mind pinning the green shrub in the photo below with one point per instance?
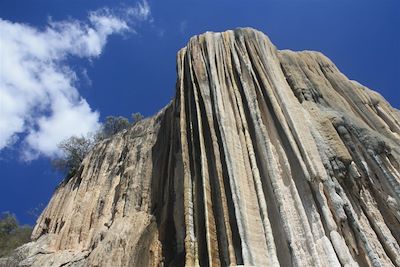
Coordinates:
(12, 235)
(136, 117)
(74, 149)
(112, 126)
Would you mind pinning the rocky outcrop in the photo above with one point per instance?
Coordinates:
(264, 158)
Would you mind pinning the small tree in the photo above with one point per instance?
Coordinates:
(12, 235)
(136, 117)
(112, 126)
(8, 223)
(74, 150)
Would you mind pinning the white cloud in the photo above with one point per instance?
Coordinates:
(39, 101)
(142, 11)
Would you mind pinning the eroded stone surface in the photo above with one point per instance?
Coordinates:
(264, 158)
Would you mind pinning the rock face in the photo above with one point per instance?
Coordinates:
(264, 158)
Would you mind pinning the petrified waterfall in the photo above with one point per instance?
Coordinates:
(265, 157)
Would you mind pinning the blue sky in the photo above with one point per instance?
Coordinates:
(67, 64)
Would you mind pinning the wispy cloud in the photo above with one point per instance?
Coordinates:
(142, 11)
(40, 104)
(183, 26)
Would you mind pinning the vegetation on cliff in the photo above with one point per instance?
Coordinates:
(12, 234)
(75, 148)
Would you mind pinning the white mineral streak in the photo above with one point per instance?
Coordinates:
(264, 158)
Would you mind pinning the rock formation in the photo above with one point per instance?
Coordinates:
(265, 157)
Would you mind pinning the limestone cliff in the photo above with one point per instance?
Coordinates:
(264, 158)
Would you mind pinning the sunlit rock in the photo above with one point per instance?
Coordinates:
(265, 157)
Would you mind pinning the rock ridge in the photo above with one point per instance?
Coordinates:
(265, 157)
